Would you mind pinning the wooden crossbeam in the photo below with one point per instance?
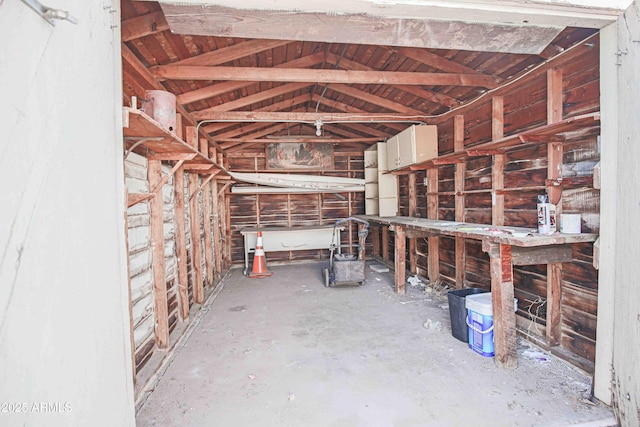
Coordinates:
(252, 99)
(262, 74)
(143, 25)
(268, 116)
(230, 86)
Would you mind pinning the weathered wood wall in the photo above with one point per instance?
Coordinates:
(293, 210)
(526, 176)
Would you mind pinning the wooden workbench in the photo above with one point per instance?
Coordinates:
(506, 246)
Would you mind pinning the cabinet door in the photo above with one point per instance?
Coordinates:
(387, 185)
(393, 159)
(407, 147)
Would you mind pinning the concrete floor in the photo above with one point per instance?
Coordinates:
(286, 351)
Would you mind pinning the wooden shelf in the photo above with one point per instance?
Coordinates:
(555, 132)
(164, 145)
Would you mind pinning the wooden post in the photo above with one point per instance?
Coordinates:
(191, 137)
(208, 241)
(504, 317)
(413, 211)
(555, 152)
(375, 240)
(497, 169)
(458, 146)
(181, 245)
(154, 174)
(215, 210)
(432, 213)
(361, 243)
(400, 259)
(196, 248)
(385, 243)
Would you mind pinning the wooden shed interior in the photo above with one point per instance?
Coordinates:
(517, 113)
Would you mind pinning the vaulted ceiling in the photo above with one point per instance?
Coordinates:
(248, 91)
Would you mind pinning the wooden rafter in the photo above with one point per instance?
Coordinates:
(222, 88)
(143, 25)
(438, 98)
(230, 53)
(252, 99)
(374, 99)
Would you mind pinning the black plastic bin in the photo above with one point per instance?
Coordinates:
(458, 312)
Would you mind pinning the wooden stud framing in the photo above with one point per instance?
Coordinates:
(217, 241)
(191, 136)
(208, 238)
(413, 210)
(555, 151)
(432, 213)
(497, 170)
(196, 247)
(154, 173)
(458, 146)
(375, 239)
(385, 243)
(400, 259)
(181, 245)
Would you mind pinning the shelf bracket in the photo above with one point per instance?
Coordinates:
(50, 14)
(139, 141)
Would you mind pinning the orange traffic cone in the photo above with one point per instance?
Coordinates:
(259, 262)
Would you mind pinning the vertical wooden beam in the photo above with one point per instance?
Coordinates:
(204, 147)
(504, 317)
(154, 174)
(554, 301)
(554, 95)
(413, 211)
(215, 210)
(385, 243)
(181, 245)
(458, 146)
(432, 213)
(555, 152)
(497, 169)
(400, 259)
(196, 247)
(226, 203)
(208, 238)
(191, 136)
(375, 240)
(179, 129)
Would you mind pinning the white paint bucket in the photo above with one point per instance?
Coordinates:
(570, 224)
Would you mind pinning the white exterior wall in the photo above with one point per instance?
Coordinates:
(618, 340)
(64, 318)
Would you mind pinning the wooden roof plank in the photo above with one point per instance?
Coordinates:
(143, 25)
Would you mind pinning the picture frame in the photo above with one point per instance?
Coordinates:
(300, 156)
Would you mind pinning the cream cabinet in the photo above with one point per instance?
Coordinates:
(371, 180)
(387, 185)
(415, 144)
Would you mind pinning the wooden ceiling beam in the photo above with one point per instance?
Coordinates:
(279, 106)
(349, 109)
(298, 139)
(436, 61)
(256, 97)
(143, 25)
(262, 74)
(435, 97)
(303, 117)
(222, 88)
(374, 99)
(230, 53)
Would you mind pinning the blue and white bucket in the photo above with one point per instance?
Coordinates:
(480, 323)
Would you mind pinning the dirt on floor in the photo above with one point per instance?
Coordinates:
(287, 351)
